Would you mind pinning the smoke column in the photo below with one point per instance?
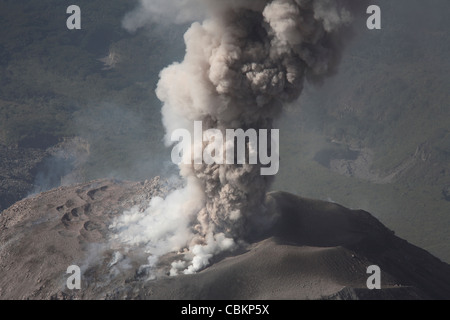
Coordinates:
(243, 63)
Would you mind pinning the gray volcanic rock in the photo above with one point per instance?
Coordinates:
(314, 250)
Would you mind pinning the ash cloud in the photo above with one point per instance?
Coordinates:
(243, 63)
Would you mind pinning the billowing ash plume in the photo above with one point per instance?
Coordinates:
(242, 64)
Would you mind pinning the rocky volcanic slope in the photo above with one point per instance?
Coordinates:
(315, 250)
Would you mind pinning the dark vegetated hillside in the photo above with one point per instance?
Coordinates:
(57, 82)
